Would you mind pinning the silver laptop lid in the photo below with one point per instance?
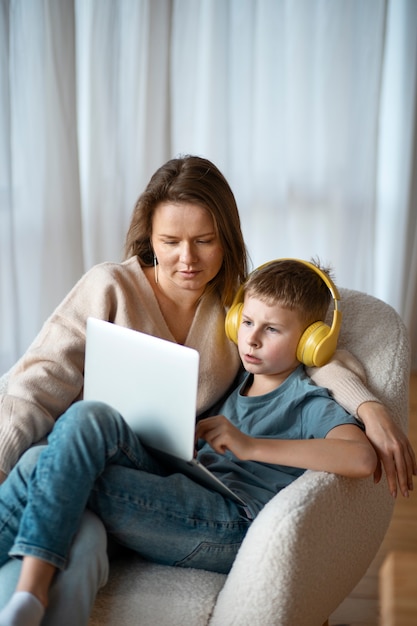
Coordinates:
(150, 381)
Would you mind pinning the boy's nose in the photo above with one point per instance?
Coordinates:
(253, 339)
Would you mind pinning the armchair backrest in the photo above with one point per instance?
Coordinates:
(376, 335)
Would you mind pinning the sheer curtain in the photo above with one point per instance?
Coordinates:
(307, 106)
(123, 78)
(40, 220)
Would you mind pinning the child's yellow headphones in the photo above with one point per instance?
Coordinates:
(317, 343)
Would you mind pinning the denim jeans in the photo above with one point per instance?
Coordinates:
(73, 591)
(94, 460)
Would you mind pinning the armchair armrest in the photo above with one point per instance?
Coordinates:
(305, 552)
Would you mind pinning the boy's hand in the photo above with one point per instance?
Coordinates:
(221, 435)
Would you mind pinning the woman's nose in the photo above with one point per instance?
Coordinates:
(187, 254)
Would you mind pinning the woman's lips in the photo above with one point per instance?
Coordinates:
(189, 274)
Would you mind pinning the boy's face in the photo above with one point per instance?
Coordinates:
(268, 337)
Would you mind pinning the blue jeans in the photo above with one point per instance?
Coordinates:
(94, 460)
(73, 592)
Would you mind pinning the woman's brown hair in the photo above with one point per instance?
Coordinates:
(198, 181)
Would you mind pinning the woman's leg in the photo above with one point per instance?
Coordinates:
(168, 519)
(40, 511)
(35, 578)
(40, 516)
(171, 519)
(73, 591)
(83, 577)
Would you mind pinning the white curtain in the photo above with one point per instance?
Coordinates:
(307, 106)
(40, 221)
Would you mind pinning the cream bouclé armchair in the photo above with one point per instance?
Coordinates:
(310, 545)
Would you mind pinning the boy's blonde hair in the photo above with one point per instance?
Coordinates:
(293, 285)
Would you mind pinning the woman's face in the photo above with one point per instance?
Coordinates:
(186, 245)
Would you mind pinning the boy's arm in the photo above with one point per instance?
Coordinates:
(346, 450)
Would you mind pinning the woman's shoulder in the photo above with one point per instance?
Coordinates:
(112, 268)
(111, 273)
(105, 283)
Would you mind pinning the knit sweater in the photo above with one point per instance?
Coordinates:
(49, 376)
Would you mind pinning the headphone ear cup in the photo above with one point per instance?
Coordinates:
(232, 321)
(313, 348)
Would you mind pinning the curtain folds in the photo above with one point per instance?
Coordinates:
(40, 251)
(122, 51)
(307, 106)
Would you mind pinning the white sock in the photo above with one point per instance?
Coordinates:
(23, 609)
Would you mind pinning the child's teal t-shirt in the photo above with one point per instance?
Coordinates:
(297, 409)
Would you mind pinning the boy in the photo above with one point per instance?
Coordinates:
(271, 428)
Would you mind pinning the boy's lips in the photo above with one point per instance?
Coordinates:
(249, 358)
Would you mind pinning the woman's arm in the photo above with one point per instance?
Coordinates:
(344, 377)
(393, 448)
(49, 376)
(345, 451)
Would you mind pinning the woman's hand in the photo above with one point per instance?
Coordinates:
(3, 477)
(221, 435)
(392, 446)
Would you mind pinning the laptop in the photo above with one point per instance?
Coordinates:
(152, 383)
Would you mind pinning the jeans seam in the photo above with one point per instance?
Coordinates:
(20, 548)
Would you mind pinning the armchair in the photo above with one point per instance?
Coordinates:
(309, 546)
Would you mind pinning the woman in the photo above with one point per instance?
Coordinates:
(185, 259)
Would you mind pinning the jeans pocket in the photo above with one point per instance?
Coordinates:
(215, 557)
